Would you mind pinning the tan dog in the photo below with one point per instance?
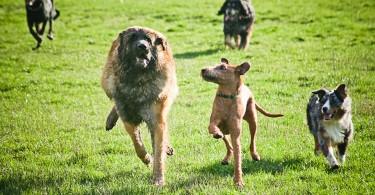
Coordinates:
(233, 102)
(140, 78)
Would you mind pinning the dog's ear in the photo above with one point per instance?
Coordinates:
(160, 41)
(243, 68)
(222, 9)
(121, 50)
(320, 92)
(224, 60)
(341, 92)
(245, 8)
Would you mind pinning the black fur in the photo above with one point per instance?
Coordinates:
(39, 12)
(237, 25)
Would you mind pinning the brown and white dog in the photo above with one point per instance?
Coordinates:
(330, 121)
(233, 103)
(140, 77)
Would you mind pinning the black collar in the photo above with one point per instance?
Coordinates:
(232, 96)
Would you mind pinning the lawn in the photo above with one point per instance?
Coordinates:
(53, 110)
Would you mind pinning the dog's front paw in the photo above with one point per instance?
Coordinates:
(225, 162)
(255, 156)
(342, 159)
(170, 151)
(239, 184)
(218, 135)
(50, 36)
(335, 167)
(147, 160)
(37, 45)
(158, 181)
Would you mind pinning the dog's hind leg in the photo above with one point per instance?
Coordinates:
(251, 118)
(111, 119)
(41, 30)
(139, 147)
(237, 40)
(228, 41)
(35, 35)
(236, 143)
(50, 31)
(229, 154)
(244, 40)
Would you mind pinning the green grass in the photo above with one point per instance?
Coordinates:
(52, 108)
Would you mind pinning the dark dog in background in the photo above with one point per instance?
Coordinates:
(38, 13)
(330, 121)
(239, 17)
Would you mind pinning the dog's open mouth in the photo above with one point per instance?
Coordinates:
(143, 60)
(328, 116)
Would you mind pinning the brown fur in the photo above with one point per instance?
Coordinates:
(142, 94)
(233, 103)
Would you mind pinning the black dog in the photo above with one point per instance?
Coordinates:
(239, 17)
(39, 12)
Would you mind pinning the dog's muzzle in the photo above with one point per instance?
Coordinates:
(207, 76)
(144, 56)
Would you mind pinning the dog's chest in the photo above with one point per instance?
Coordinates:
(334, 131)
(227, 109)
(135, 97)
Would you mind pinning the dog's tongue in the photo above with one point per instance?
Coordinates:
(327, 116)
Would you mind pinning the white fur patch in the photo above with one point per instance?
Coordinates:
(334, 131)
(331, 157)
(327, 105)
(342, 159)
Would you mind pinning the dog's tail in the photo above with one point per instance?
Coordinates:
(261, 110)
(56, 15)
(111, 119)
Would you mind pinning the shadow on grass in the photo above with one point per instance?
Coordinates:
(252, 167)
(208, 175)
(19, 184)
(194, 54)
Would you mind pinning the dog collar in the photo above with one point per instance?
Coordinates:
(233, 96)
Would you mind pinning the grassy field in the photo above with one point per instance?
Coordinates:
(52, 108)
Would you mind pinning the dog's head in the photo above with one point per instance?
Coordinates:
(235, 8)
(224, 73)
(33, 4)
(331, 101)
(139, 48)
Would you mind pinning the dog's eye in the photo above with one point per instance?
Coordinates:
(222, 67)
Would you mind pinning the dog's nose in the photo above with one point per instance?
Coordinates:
(141, 46)
(325, 109)
(203, 71)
